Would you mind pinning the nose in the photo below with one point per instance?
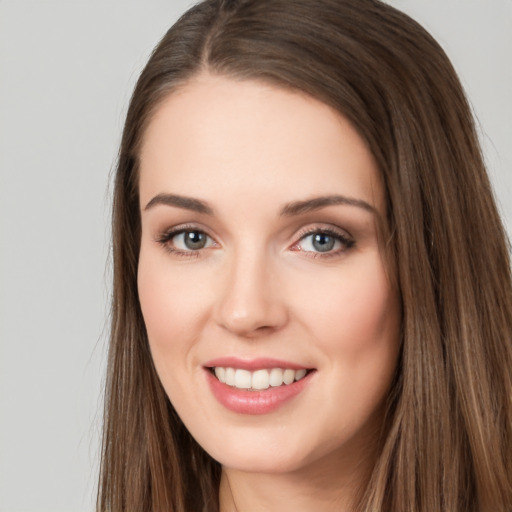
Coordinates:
(251, 303)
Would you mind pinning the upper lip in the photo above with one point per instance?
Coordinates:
(259, 363)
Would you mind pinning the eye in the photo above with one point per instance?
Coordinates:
(186, 241)
(190, 240)
(323, 242)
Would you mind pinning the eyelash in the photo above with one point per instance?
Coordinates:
(347, 243)
(165, 238)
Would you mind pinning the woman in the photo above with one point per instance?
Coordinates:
(312, 293)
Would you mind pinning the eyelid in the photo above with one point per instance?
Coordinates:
(323, 227)
(165, 236)
(340, 234)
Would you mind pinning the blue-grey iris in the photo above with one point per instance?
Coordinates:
(323, 242)
(194, 240)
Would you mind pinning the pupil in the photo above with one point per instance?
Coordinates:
(323, 243)
(195, 240)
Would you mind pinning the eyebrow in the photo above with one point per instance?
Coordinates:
(289, 210)
(187, 203)
(316, 203)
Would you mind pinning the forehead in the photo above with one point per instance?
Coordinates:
(217, 137)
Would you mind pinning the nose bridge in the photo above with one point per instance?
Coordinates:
(250, 302)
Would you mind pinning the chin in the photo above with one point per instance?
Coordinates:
(262, 462)
(261, 453)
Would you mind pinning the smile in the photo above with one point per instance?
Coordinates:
(256, 386)
(258, 380)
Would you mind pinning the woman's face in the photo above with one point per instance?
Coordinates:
(260, 261)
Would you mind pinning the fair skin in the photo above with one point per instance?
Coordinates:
(240, 269)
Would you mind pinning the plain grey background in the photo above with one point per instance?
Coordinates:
(67, 69)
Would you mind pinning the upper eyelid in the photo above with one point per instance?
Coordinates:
(323, 228)
(182, 228)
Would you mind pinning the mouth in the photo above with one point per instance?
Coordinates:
(256, 386)
(260, 379)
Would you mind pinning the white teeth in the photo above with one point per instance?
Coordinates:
(220, 373)
(242, 379)
(299, 374)
(230, 376)
(288, 376)
(276, 377)
(259, 379)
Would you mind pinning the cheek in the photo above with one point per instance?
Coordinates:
(353, 305)
(170, 302)
(173, 311)
(354, 317)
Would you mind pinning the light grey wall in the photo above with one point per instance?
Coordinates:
(67, 69)
(477, 36)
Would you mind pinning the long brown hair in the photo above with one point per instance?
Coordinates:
(448, 442)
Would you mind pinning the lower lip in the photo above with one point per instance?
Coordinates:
(255, 402)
